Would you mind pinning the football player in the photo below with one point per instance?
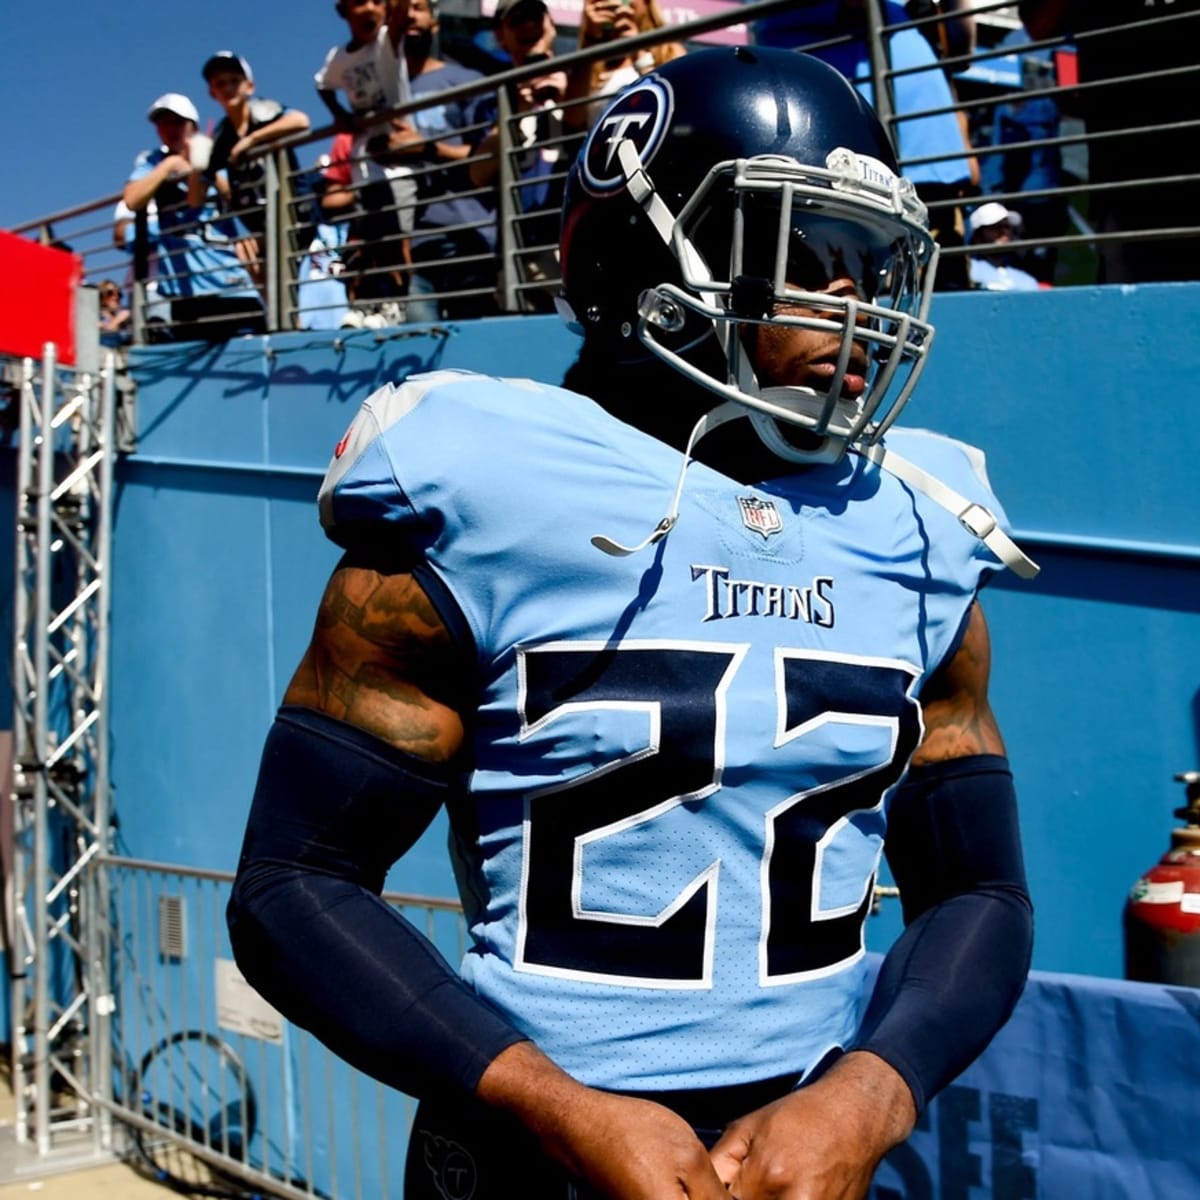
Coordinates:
(677, 648)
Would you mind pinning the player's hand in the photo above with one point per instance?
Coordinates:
(822, 1142)
(624, 1149)
(630, 1149)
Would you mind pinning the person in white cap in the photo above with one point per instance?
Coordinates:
(369, 72)
(175, 118)
(992, 224)
(212, 296)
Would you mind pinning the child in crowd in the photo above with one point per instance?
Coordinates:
(370, 71)
(249, 122)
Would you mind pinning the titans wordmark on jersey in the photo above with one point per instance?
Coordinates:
(682, 757)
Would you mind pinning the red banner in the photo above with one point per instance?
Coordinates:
(37, 303)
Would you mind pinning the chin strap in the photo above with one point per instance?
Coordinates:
(971, 516)
(707, 423)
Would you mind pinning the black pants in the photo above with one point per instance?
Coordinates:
(216, 318)
(462, 1150)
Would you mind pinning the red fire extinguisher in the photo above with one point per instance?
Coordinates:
(1162, 914)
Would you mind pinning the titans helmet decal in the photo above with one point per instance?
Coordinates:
(641, 114)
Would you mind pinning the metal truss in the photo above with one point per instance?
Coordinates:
(57, 905)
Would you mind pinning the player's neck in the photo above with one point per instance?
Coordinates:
(657, 400)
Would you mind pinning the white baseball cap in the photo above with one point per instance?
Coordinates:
(173, 102)
(992, 213)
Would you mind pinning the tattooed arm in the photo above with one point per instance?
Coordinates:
(377, 660)
(359, 760)
(958, 715)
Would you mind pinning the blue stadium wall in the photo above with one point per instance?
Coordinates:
(1088, 406)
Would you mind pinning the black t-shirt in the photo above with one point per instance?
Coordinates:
(1157, 46)
(247, 177)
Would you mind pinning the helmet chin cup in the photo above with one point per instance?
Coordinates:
(822, 449)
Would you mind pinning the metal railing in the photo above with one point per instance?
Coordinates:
(222, 1095)
(302, 269)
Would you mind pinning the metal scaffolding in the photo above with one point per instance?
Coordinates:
(58, 908)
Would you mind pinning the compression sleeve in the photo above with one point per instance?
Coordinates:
(954, 976)
(334, 807)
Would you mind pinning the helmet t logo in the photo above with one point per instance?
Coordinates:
(617, 127)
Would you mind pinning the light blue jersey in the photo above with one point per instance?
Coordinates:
(681, 757)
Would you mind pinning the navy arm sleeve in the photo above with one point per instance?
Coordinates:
(954, 976)
(334, 807)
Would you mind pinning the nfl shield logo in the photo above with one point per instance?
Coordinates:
(760, 515)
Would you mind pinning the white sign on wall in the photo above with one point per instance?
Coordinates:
(240, 1009)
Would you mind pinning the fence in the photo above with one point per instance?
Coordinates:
(221, 1094)
(1038, 139)
(225, 1099)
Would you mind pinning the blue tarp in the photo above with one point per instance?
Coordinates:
(1089, 1093)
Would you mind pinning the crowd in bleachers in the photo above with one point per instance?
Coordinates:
(404, 217)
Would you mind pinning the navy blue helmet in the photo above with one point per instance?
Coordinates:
(743, 187)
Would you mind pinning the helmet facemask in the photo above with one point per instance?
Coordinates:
(841, 251)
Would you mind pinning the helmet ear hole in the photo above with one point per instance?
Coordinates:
(602, 289)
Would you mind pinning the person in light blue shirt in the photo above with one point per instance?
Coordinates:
(992, 224)
(198, 269)
(454, 242)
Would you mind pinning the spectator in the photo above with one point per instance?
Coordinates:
(992, 224)
(367, 274)
(114, 316)
(606, 21)
(321, 294)
(525, 32)
(336, 195)
(1035, 164)
(942, 183)
(454, 242)
(1116, 39)
(950, 37)
(248, 123)
(371, 72)
(143, 253)
(197, 265)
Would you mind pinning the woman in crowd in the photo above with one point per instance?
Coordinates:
(610, 22)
